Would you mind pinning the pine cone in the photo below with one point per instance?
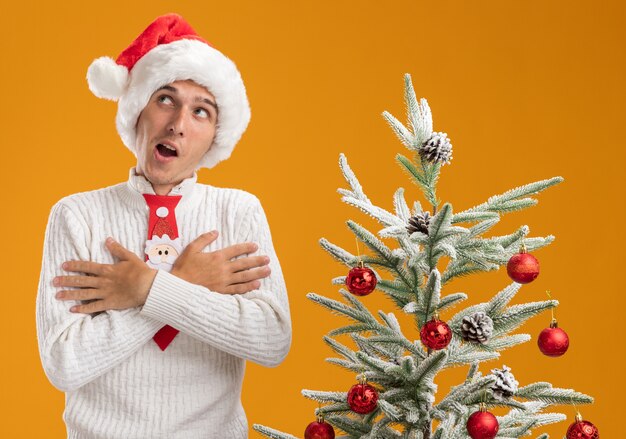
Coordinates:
(419, 223)
(477, 328)
(437, 149)
(505, 385)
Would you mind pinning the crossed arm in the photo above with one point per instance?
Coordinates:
(233, 305)
(126, 283)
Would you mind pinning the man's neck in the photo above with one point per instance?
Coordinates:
(163, 189)
(159, 189)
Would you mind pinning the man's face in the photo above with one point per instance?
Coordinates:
(174, 131)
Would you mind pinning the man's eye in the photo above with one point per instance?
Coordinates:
(203, 113)
(164, 99)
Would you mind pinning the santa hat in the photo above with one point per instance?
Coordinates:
(170, 50)
(162, 226)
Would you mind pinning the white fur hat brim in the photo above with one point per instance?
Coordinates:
(181, 60)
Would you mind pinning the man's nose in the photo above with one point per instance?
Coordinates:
(177, 123)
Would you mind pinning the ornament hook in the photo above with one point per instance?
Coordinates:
(579, 417)
(320, 416)
(553, 323)
(358, 253)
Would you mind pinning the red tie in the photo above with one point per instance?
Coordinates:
(162, 246)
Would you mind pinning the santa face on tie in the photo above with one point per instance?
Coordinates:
(162, 252)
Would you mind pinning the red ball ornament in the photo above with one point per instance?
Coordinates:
(362, 398)
(482, 425)
(436, 334)
(319, 430)
(553, 341)
(361, 281)
(582, 430)
(523, 267)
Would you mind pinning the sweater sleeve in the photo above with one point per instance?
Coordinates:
(255, 326)
(77, 348)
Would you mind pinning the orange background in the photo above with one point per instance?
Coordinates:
(525, 90)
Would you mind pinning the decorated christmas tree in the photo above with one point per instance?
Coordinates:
(420, 252)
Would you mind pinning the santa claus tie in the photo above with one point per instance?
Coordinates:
(163, 246)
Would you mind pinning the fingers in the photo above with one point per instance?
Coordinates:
(248, 280)
(89, 308)
(118, 250)
(84, 267)
(76, 281)
(243, 288)
(86, 294)
(198, 244)
(239, 249)
(249, 262)
(251, 275)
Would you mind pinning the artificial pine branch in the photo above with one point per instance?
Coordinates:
(431, 176)
(461, 269)
(400, 130)
(468, 217)
(357, 189)
(424, 178)
(516, 315)
(400, 206)
(354, 428)
(340, 349)
(335, 397)
(530, 412)
(504, 202)
(463, 354)
(381, 215)
(338, 253)
(368, 322)
(373, 243)
(429, 300)
(395, 290)
(271, 433)
(505, 342)
(419, 114)
(551, 395)
(451, 300)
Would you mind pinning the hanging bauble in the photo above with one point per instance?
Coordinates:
(362, 398)
(553, 341)
(523, 267)
(482, 424)
(361, 281)
(436, 334)
(582, 429)
(319, 430)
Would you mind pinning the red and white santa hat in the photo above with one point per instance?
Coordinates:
(170, 50)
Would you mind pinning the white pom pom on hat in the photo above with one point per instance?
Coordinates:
(166, 51)
(107, 79)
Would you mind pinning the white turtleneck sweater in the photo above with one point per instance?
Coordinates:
(118, 383)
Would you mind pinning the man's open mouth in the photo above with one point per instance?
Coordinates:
(166, 150)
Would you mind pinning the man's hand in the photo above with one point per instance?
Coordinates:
(122, 285)
(216, 271)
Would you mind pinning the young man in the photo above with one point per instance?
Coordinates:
(155, 346)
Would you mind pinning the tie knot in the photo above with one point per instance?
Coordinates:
(162, 220)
